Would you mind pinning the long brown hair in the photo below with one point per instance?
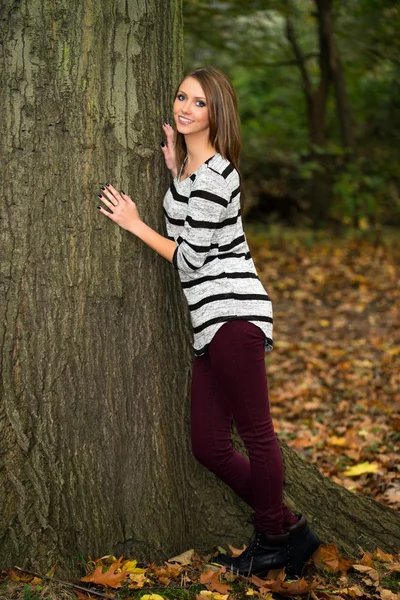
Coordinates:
(222, 112)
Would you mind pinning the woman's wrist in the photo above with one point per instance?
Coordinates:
(136, 227)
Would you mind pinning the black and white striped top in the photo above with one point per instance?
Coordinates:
(216, 270)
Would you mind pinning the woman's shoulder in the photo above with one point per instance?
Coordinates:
(219, 169)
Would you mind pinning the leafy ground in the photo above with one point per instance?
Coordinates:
(334, 381)
(335, 374)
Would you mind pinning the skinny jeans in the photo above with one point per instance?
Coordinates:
(229, 383)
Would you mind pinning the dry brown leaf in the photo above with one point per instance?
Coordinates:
(328, 556)
(292, 588)
(16, 576)
(354, 591)
(236, 551)
(110, 578)
(382, 557)
(388, 595)
(394, 567)
(173, 570)
(366, 559)
(137, 581)
(370, 571)
(210, 579)
(183, 559)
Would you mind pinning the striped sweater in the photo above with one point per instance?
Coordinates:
(212, 257)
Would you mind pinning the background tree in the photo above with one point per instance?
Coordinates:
(298, 68)
(95, 353)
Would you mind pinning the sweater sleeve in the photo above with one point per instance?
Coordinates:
(207, 204)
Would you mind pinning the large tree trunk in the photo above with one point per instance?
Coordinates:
(95, 355)
(345, 518)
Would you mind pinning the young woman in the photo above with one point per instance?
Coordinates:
(230, 311)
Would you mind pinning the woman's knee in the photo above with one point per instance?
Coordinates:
(208, 455)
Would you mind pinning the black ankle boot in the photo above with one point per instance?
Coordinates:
(264, 553)
(303, 542)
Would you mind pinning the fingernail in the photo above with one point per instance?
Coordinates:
(162, 144)
(103, 188)
(107, 184)
(122, 192)
(99, 207)
(99, 196)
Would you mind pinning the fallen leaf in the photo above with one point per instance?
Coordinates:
(52, 570)
(210, 579)
(110, 578)
(370, 571)
(292, 588)
(337, 441)
(382, 557)
(360, 469)
(394, 567)
(137, 581)
(183, 559)
(130, 565)
(211, 595)
(236, 551)
(388, 595)
(366, 559)
(152, 597)
(16, 576)
(173, 570)
(328, 556)
(353, 591)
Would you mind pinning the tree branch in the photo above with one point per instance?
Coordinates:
(300, 58)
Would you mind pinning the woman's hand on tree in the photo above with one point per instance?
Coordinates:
(169, 149)
(121, 208)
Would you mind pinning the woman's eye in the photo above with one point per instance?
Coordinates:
(180, 97)
(200, 103)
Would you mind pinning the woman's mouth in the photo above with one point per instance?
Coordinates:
(184, 120)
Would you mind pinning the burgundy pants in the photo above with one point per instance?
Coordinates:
(230, 383)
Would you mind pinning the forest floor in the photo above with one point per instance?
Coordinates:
(334, 373)
(334, 379)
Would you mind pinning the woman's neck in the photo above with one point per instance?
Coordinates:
(198, 151)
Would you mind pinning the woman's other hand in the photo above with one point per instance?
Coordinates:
(121, 208)
(169, 149)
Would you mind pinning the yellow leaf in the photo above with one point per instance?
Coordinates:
(130, 566)
(52, 570)
(361, 468)
(337, 441)
(152, 597)
(138, 581)
(213, 595)
(324, 322)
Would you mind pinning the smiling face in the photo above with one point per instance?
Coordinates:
(190, 108)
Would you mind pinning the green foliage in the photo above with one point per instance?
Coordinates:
(248, 41)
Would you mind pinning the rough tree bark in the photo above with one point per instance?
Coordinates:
(95, 355)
